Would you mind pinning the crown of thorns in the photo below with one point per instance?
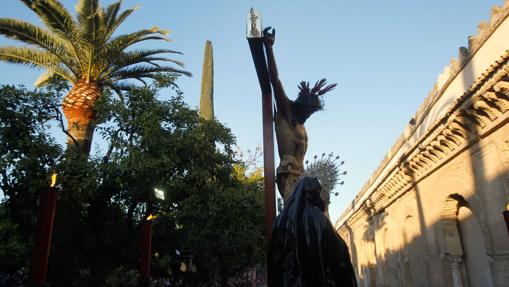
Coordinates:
(319, 88)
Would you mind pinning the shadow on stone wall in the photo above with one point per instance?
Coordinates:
(462, 251)
(466, 246)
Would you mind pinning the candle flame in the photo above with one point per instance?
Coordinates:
(53, 180)
(151, 217)
(507, 207)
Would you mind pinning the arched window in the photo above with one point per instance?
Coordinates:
(464, 244)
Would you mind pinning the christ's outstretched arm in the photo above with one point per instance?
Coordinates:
(282, 101)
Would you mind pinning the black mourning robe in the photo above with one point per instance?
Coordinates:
(305, 250)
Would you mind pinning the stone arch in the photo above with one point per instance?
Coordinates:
(464, 244)
(413, 250)
(406, 264)
(353, 248)
(449, 222)
(453, 247)
(368, 272)
(477, 260)
(371, 255)
(389, 266)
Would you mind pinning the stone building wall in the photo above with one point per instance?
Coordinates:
(431, 214)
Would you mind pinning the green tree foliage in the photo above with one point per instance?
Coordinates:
(153, 141)
(214, 229)
(85, 51)
(27, 155)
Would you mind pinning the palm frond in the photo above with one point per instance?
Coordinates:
(112, 22)
(31, 34)
(88, 17)
(35, 58)
(84, 47)
(144, 71)
(110, 14)
(54, 15)
(122, 42)
(44, 79)
(39, 37)
(141, 80)
(142, 55)
(118, 87)
(28, 3)
(59, 21)
(121, 85)
(115, 47)
(127, 59)
(28, 56)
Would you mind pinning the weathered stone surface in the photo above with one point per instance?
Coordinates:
(431, 214)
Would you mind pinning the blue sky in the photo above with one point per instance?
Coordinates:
(384, 55)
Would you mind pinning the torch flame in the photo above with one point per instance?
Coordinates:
(53, 180)
(507, 207)
(151, 217)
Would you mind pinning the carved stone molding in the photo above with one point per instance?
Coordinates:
(486, 101)
(475, 42)
(475, 113)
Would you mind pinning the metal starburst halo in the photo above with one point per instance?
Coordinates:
(328, 170)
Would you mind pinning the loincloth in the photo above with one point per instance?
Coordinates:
(290, 165)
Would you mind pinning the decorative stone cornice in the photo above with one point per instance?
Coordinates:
(450, 72)
(486, 28)
(482, 105)
(475, 113)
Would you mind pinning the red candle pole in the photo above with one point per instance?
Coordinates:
(40, 255)
(146, 246)
(146, 239)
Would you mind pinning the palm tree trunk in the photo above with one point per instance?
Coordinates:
(78, 107)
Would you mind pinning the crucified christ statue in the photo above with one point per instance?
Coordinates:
(291, 136)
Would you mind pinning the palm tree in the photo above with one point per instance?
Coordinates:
(84, 51)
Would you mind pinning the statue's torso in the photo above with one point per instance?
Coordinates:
(292, 140)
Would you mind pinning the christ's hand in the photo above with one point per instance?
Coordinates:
(268, 37)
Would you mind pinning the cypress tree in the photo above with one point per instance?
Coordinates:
(207, 84)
